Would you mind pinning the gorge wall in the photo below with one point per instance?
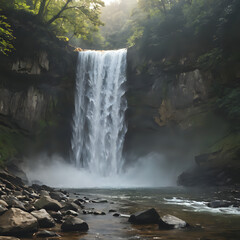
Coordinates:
(175, 110)
(36, 92)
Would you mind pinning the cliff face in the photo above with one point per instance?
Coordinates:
(173, 110)
(36, 92)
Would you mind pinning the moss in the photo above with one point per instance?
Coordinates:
(232, 141)
(8, 140)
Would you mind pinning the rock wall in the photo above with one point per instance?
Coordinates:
(173, 111)
(37, 84)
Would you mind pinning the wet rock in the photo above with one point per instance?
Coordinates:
(87, 212)
(38, 188)
(79, 203)
(57, 216)
(99, 201)
(45, 234)
(29, 207)
(2, 209)
(219, 204)
(112, 211)
(44, 193)
(171, 222)
(145, 217)
(72, 224)
(17, 222)
(44, 219)
(116, 214)
(47, 203)
(99, 213)
(70, 206)
(58, 196)
(3, 203)
(71, 212)
(14, 202)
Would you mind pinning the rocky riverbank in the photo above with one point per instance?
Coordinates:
(39, 211)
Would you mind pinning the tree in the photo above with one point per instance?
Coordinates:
(78, 17)
(6, 36)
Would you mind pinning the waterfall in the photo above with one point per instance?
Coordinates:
(99, 121)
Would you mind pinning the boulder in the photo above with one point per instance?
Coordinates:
(57, 216)
(145, 217)
(14, 202)
(70, 206)
(47, 203)
(17, 222)
(171, 222)
(71, 212)
(3, 203)
(2, 209)
(44, 193)
(44, 219)
(73, 224)
(219, 204)
(46, 234)
(57, 196)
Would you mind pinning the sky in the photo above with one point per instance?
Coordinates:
(109, 1)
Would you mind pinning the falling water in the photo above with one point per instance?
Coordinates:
(99, 125)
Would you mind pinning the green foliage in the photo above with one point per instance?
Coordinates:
(7, 144)
(79, 18)
(6, 36)
(210, 59)
(205, 29)
(229, 103)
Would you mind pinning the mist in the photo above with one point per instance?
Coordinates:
(151, 170)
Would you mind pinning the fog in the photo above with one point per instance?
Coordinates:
(151, 170)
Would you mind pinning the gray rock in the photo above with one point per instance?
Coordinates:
(44, 219)
(73, 224)
(171, 222)
(70, 206)
(3, 203)
(2, 209)
(99, 213)
(47, 203)
(116, 214)
(44, 193)
(14, 202)
(57, 216)
(145, 217)
(45, 234)
(219, 204)
(58, 196)
(16, 222)
(71, 212)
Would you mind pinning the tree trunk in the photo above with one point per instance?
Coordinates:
(164, 6)
(41, 9)
(59, 13)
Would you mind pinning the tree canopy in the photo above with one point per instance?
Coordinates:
(67, 17)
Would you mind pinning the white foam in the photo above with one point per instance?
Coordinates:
(201, 206)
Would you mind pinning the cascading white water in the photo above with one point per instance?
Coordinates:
(99, 121)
